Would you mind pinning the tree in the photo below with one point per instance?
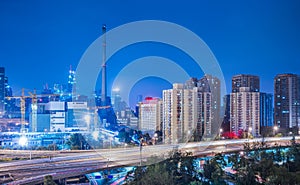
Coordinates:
(278, 156)
(52, 146)
(156, 174)
(48, 180)
(213, 169)
(179, 168)
(77, 142)
(294, 154)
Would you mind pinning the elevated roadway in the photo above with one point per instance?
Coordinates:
(69, 164)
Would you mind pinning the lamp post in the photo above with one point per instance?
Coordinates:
(249, 131)
(275, 130)
(125, 145)
(141, 145)
(110, 140)
(23, 142)
(155, 138)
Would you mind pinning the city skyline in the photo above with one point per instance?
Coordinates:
(39, 42)
(141, 92)
(50, 88)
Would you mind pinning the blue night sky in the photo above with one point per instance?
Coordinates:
(39, 40)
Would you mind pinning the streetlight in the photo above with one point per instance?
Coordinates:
(110, 140)
(23, 141)
(220, 133)
(141, 144)
(250, 131)
(275, 129)
(155, 138)
(125, 145)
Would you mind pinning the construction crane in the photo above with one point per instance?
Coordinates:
(34, 97)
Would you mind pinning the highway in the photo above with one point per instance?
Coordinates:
(70, 164)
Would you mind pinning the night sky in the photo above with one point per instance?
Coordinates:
(39, 40)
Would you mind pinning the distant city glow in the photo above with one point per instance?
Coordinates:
(23, 141)
(87, 118)
(95, 135)
(34, 107)
(116, 89)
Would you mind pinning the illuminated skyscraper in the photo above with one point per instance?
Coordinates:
(186, 114)
(2, 90)
(71, 81)
(226, 108)
(245, 105)
(242, 80)
(210, 84)
(287, 101)
(266, 110)
(245, 112)
(9, 103)
(150, 114)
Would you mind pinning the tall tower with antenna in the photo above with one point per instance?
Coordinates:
(107, 114)
(104, 88)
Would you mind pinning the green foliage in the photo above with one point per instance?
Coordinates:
(52, 147)
(77, 142)
(213, 169)
(48, 180)
(179, 169)
(255, 165)
(154, 175)
(259, 166)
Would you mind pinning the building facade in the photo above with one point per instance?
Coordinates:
(2, 90)
(266, 110)
(150, 115)
(226, 118)
(57, 116)
(78, 117)
(212, 85)
(245, 112)
(287, 101)
(245, 105)
(186, 114)
(242, 80)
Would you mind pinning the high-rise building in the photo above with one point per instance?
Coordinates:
(245, 105)
(287, 101)
(71, 81)
(150, 115)
(213, 85)
(8, 89)
(245, 112)
(78, 116)
(2, 90)
(173, 114)
(9, 104)
(242, 80)
(186, 114)
(266, 110)
(226, 119)
(42, 119)
(210, 84)
(57, 116)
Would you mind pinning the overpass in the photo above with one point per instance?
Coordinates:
(70, 164)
